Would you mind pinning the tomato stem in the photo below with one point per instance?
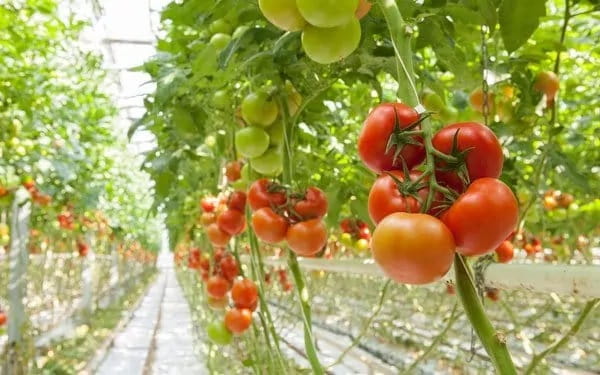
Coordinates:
(493, 341)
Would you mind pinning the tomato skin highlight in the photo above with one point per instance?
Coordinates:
(259, 195)
(482, 217)
(505, 252)
(373, 139)
(268, 226)
(238, 320)
(244, 294)
(217, 287)
(314, 205)
(307, 238)
(413, 248)
(484, 159)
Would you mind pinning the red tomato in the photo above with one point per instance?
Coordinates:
(347, 226)
(484, 156)
(314, 204)
(233, 171)
(307, 238)
(413, 248)
(364, 233)
(229, 268)
(286, 286)
(482, 217)
(217, 287)
(216, 236)
(238, 320)
(385, 196)
(231, 222)
(268, 226)
(237, 201)
(208, 204)
(204, 263)
(375, 134)
(83, 249)
(3, 318)
(450, 289)
(218, 255)
(259, 195)
(244, 294)
(493, 294)
(505, 252)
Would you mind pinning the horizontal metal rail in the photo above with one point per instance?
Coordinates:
(571, 280)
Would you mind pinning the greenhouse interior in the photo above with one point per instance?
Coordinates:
(284, 187)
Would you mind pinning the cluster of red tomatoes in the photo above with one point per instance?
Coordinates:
(66, 219)
(224, 219)
(330, 30)
(471, 212)
(355, 234)
(279, 215)
(223, 283)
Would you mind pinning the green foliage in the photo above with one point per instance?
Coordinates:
(195, 131)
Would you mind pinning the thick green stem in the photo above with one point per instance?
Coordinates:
(304, 298)
(493, 342)
(587, 310)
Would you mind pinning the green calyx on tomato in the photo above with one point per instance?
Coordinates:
(329, 45)
(383, 143)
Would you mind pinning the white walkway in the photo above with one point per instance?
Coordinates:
(158, 339)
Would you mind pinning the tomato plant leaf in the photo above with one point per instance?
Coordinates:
(518, 20)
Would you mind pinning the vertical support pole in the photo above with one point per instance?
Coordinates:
(87, 280)
(115, 274)
(17, 286)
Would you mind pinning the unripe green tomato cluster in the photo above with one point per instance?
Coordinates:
(221, 34)
(262, 140)
(330, 28)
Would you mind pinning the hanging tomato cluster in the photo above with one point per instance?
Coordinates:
(330, 29)
(470, 211)
(355, 234)
(261, 141)
(279, 215)
(223, 218)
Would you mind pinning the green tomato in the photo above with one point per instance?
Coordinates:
(220, 41)
(361, 245)
(239, 31)
(275, 132)
(251, 141)
(220, 26)
(218, 333)
(327, 13)
(346, 239)
(433, 102)
(283, 14)
(259, 109)
(245, 172)
(270, 163)
(327, 46)
(4, 240)
(221, 99)
(448, 114)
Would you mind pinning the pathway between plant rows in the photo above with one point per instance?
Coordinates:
(159, 338)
